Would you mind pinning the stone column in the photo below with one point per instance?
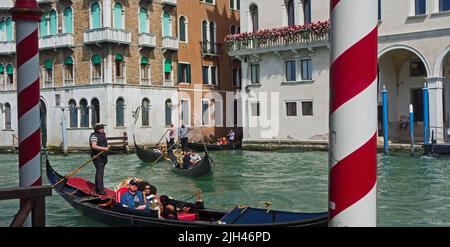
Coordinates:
(106, 13)
(436, 107)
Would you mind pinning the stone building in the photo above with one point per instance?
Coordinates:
(413, 49)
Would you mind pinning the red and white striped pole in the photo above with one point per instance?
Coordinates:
(26, 14)
(353, 113)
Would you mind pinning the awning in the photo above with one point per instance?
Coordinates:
(119, 57)
(168, 66)
(9, 69)
(144, 60)
(96, 59)
(68, 61)
(48, 64)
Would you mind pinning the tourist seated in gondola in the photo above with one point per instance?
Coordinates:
(186, 159)
(150, 197)
(195, 158)
(133, 198)
(169, 204)
(231, 136)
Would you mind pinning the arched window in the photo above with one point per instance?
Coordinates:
(168, 71)
(290, 12)
(48, 72)
(118, 16)
(183, 29)
(168, 110)
(68, 20)
(166, 25)
(9, 76)
(254, 17)
(43, 29)
(96, 68)
(2, 30)
(212, 37)
(143, 20)
(53, 23)
(232, 29)
(84, 113)
(68, 71)
(73, 114)
(145, 112)
(8, 116)
(307, 11)
(120, 106)
(2, 76)
(95, 111)
(205, 38)
(9, 29)
(95, 15)
(120, 69)
(145, 71)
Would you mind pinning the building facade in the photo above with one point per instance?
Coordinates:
(208, 78)
(290, 67)
(109, 61)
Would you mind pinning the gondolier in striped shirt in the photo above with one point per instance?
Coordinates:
(98, 143)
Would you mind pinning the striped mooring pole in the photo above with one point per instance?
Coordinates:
(353, 113)
(26, 14)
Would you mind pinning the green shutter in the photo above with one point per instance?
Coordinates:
(95, 15)
(143, 21)
(48, 64)
(96, 59)
(188, 72)
(68, 61)
(166, 25)
(68, 20)
(2, 68)
(144, 60)
(231, 4)
(43, 26)
(168, 65)
(118, 15)
(119, 57)
(53, 28)
(9, 29)
(238, 4)
(179, 73)
(9, 69)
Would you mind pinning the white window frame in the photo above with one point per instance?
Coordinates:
(208, 111)
(296, 63)
(45, 76)
(124, 71)
(186, 28)
(122, 16)
(101, 71)
(149, 73)
(188, 122)
(184, 82)
(148, 24)
(306, 100)
(91, 24)
(301, 68)
(171, 73)
(218, 115)
(64, 67)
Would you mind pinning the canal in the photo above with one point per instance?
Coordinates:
(412, 191)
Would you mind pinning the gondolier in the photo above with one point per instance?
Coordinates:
(182, 134)
(98, 143)
(172, 134)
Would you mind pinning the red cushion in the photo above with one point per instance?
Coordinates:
(88, 187)
(119, 193)
(187, 216)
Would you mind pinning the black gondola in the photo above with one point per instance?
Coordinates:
(95, 207)
(201, 146)
(201, 168)
(148, 156)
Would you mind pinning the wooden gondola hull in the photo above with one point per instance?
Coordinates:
(213, 147)
(87, 205)
(148, 156)
(203, 167)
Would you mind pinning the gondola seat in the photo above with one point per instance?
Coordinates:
(120, 192)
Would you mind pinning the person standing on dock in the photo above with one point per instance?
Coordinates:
(172, 134)
(182, 134)
(98, 143)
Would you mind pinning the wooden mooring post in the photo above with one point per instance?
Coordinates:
(33, 198)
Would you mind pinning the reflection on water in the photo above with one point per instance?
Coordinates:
(412, 191)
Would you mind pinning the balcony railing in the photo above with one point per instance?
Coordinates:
(210, 48)
(6, 4)
(120, 80)
(7, 47)
(145, 81)
(281, 38)
(147, 40)
(68, 82)
(169, 2)
(56, 41)
(107, 34)
(96, 80)
(9, 86)
(168, 82)
(170, 43)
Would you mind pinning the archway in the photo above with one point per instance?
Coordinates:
(402, 70)
(442, 72)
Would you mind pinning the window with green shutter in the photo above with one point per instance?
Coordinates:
(95, 15)
(166, 25)
(68, 27)
(43, 25)
(118, 22)
(143, 21)
(53, 23)
(168, 65)
(9, 29)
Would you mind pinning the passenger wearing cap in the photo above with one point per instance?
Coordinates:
(133, 198)
(98, 143)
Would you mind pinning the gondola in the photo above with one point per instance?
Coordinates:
(77, 192)
(148, 156)
(201, 168)
(201, 146)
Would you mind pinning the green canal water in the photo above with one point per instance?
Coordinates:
(412, 191)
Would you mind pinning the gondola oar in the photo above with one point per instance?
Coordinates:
(78, 169)
(161, 137)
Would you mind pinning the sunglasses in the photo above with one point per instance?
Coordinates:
(133, 184)
(147, 188)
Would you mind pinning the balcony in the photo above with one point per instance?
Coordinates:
(56, 41)
(210, 48)
(168, 82)
(279, 39)
(107, 35)
(120, 80)
(7, 47)
(170, 43)
(169, 2)
(6, 4)
(147, 40)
